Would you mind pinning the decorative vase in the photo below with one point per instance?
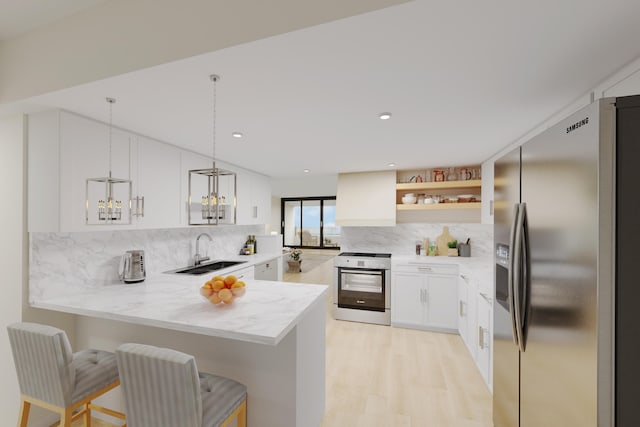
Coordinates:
(294, 266)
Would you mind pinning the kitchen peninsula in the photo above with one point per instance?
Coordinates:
(272, 339)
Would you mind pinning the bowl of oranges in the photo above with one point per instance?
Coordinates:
(223, 289)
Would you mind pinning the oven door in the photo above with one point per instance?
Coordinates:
(362, 289)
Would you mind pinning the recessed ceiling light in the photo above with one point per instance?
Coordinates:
(391, 165)
(237, 135)
(384, 116)
(306, 171)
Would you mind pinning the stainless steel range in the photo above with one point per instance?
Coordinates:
(362, 286)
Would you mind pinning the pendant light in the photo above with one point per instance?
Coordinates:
(107, 192)
(216, 186)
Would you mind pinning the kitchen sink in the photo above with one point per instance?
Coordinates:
(206, 268)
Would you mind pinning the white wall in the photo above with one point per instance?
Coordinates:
(305, 186)
(12, 248)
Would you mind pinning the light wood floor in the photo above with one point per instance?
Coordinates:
(394, 377)
(378, 376)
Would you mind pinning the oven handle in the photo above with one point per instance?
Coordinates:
(366, 273)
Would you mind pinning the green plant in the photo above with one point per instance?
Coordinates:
(453, 244)
(295, 254)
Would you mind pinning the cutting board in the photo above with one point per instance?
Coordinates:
(442, 240)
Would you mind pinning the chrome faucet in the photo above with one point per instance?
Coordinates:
(197, 258)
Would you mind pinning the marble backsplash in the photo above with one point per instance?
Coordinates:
(92, 258)
(401, 239)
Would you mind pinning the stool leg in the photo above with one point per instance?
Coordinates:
(65, 417)
(87, 415)
(242, 415)
(23, 419)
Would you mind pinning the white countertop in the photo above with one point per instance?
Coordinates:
(265, 314)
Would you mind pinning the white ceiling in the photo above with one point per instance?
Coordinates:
(21, 16)
(463, 79)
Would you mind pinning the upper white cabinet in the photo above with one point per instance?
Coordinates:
(84, 153)
(487, 192)
(254, 198)
(43, 177)
(156, 178)
(65, 149)
(366, 199)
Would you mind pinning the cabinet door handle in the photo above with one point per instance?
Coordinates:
(482, 342)
(462, 310)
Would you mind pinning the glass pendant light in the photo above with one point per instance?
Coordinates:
(106, 194)
(214, 185)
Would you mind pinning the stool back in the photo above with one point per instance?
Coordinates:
(42, 356)
(160, 386)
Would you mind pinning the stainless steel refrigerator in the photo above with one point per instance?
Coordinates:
(567, 217)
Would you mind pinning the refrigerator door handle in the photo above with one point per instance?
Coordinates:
(510, 274)
(517, 274)
(524, 268)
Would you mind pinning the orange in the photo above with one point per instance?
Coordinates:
(217, 278)
(230, 280)
(208, 285)
(225, 295)
(206, 292)
(229, 301)
(215, 298)
(217, 285)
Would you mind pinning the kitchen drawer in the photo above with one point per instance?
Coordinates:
(427, 268)
(246, 273)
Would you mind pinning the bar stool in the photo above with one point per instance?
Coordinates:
(54, 378)
(163, 388)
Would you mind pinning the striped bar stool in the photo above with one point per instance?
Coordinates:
(163, 388)
(52, 377)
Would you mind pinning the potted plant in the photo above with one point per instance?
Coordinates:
(453, 248)
(294, 260)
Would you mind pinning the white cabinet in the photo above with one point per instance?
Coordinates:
(84, 153)
(424, 296)
(268, 270)
(254, 198)
(366, 199)
(156, 177)
(487, 192)
(485, 339)
(467, 313)
(244, 274)
(407, 299)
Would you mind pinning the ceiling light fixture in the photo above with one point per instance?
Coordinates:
(109, 199)
(214, 208)
(237, 135)
(384, 116)
(306, 171)
(391, 165)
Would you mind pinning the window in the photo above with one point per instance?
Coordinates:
(310, 222)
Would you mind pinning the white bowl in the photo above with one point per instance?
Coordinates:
(409, 195)
(408, 200)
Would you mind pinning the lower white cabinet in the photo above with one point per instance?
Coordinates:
(467, 314)
(245, 273)
(268, 270)
(485, 339)
(424, 296)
